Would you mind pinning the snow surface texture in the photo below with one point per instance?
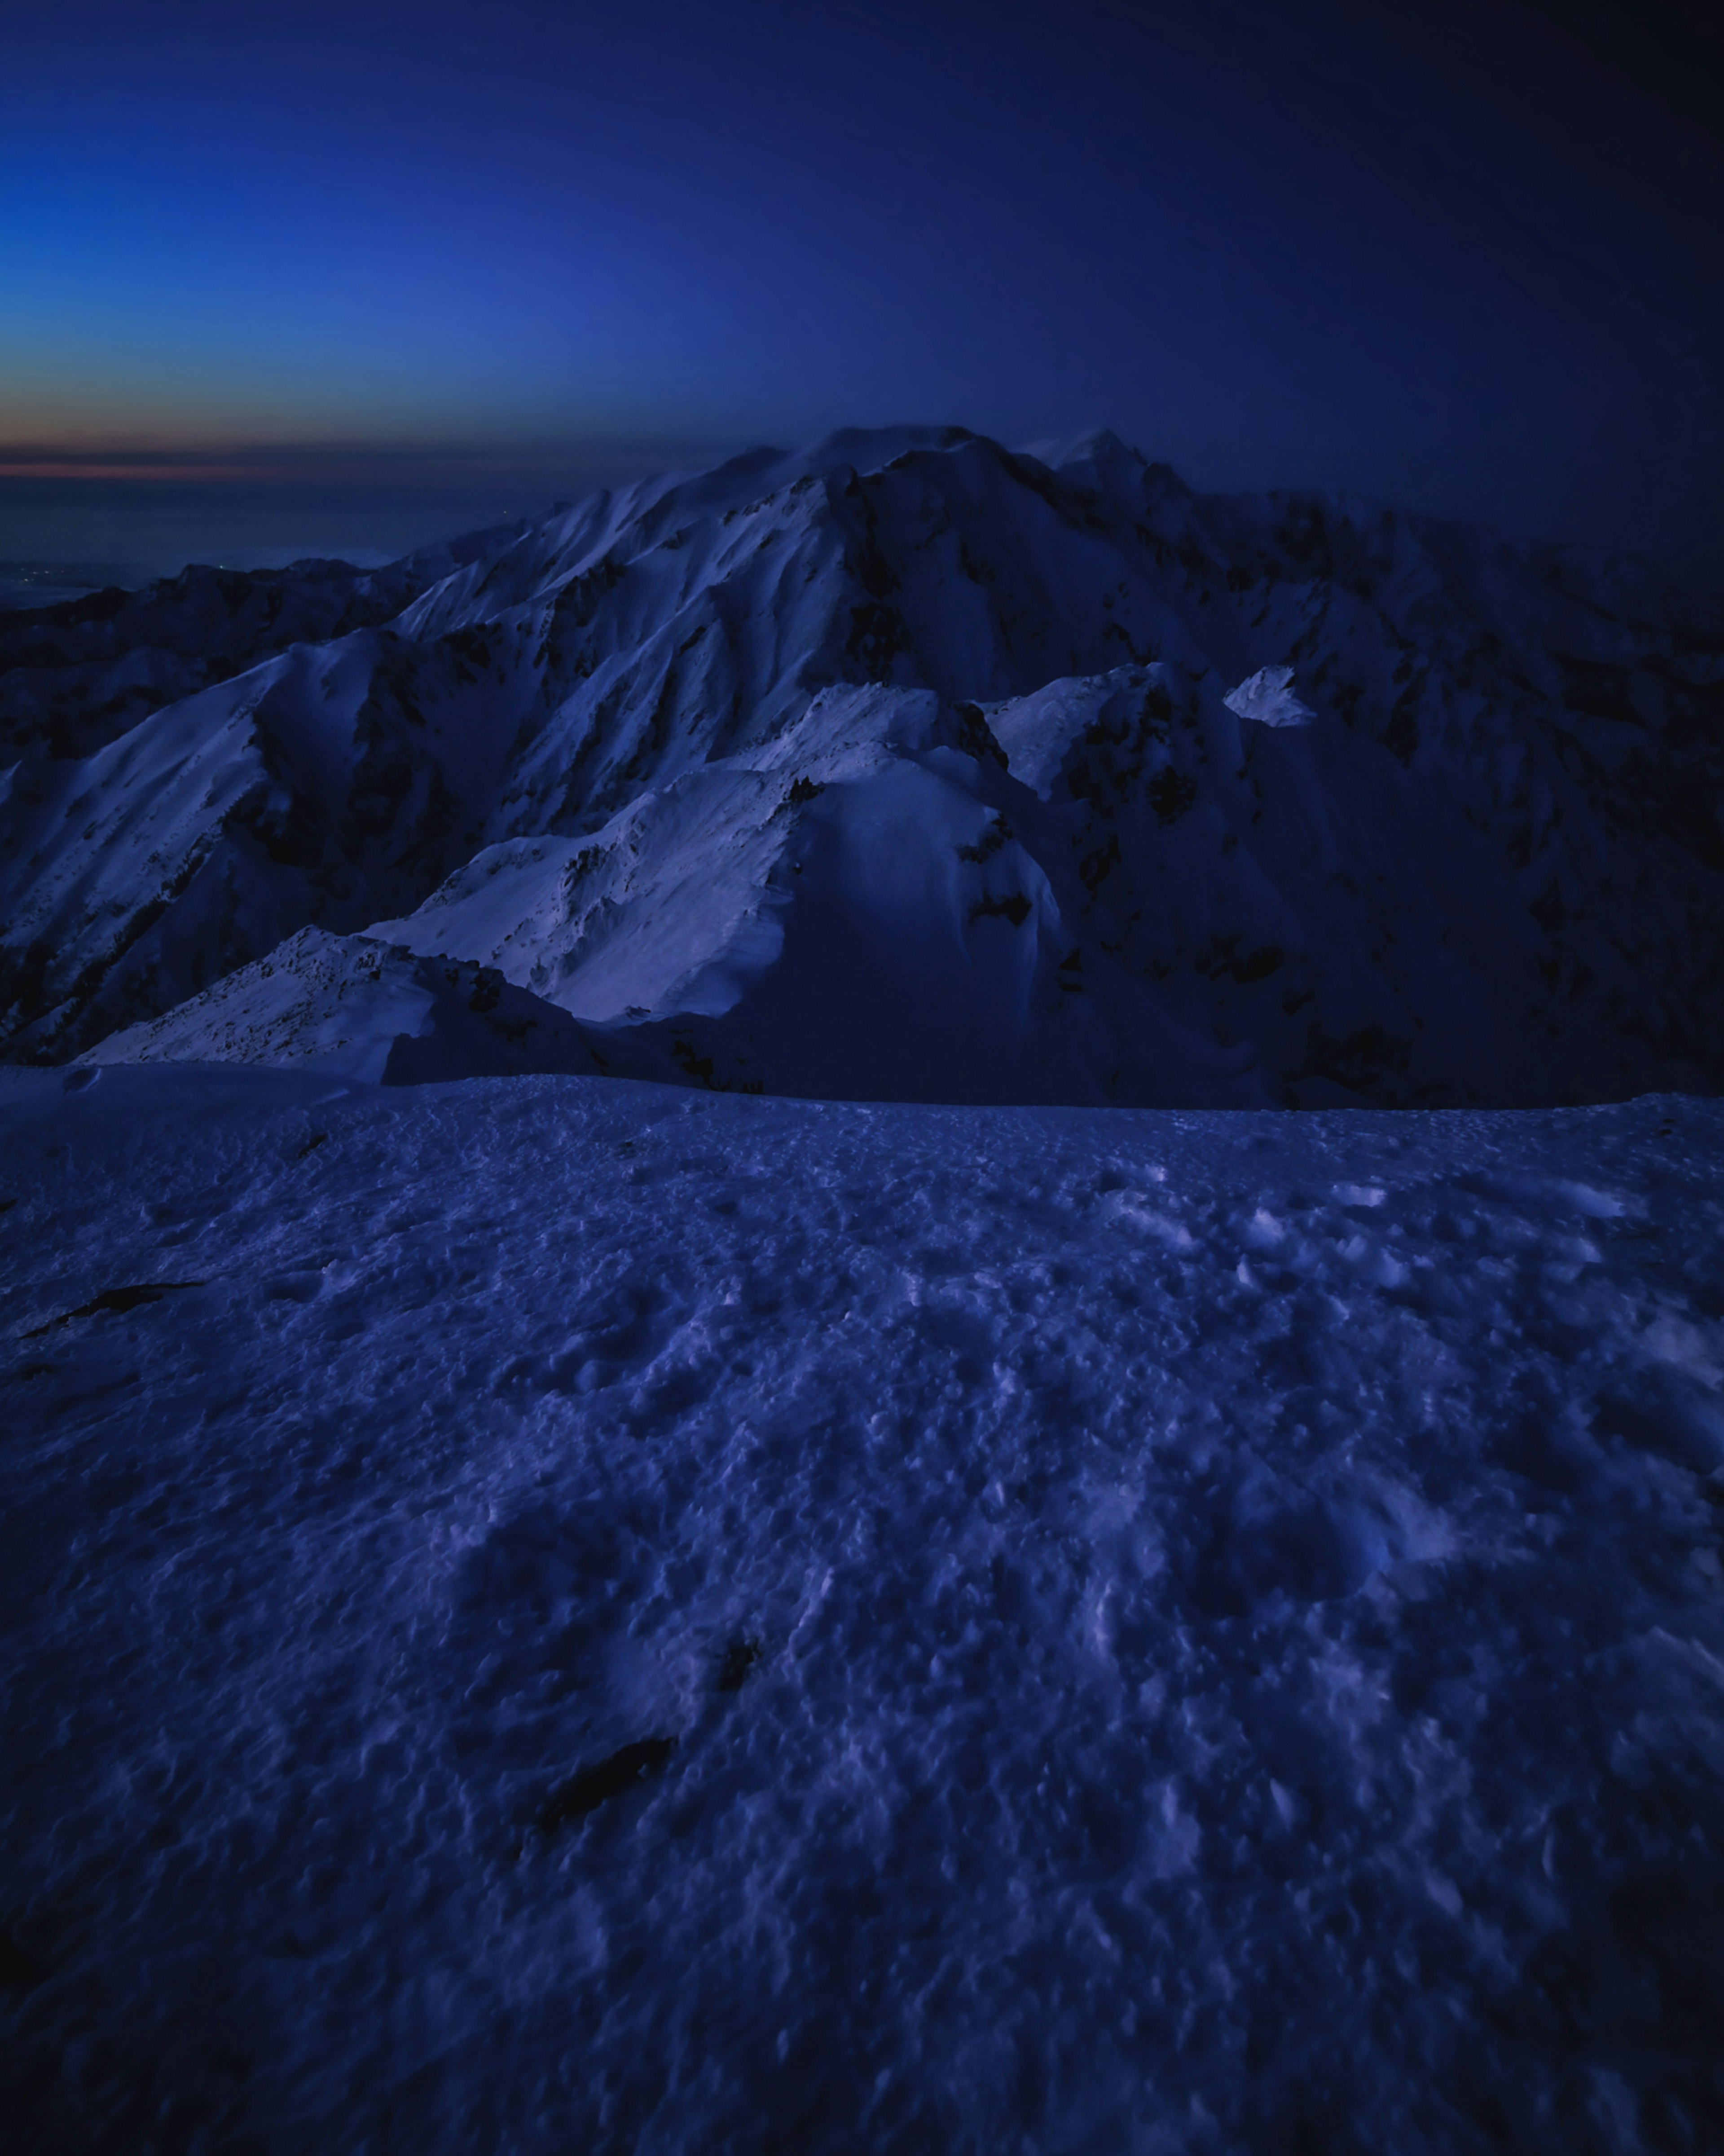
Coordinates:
(547, 1614)
(907, 767)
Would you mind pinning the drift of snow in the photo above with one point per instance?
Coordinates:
(548, 1615)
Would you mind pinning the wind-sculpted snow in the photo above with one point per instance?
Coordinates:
(549, 1614)
(1308, 802)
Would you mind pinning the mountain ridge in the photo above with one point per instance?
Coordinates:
(1489, 868)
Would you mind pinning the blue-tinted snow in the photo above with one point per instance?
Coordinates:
(1241, 1654)
(742, 766)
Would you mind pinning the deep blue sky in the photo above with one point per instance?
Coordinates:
(346, 276)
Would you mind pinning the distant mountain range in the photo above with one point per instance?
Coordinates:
(905, 767)
(38, 583)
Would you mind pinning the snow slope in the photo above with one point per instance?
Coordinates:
(357, 1008)
(556, 1615)
(907, 766)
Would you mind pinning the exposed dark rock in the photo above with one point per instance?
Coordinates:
(116, 1299)
(593, 1786)
(739, 1658)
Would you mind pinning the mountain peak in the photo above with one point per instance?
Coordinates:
(932, 783)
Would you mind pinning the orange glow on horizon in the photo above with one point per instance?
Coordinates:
(46, 469)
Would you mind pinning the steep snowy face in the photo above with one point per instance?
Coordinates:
(317, 788)
(1269, 698)
(909, 764)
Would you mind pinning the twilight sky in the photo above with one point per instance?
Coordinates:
(348, 276)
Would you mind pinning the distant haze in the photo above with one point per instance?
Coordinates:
(248, 512)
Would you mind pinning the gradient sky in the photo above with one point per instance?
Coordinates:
(386, 269)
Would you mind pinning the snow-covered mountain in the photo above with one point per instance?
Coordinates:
(909, 767)
(76, 676)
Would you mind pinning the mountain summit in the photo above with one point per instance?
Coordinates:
(904, 766)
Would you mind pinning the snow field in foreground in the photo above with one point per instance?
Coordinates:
(587, 1616)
